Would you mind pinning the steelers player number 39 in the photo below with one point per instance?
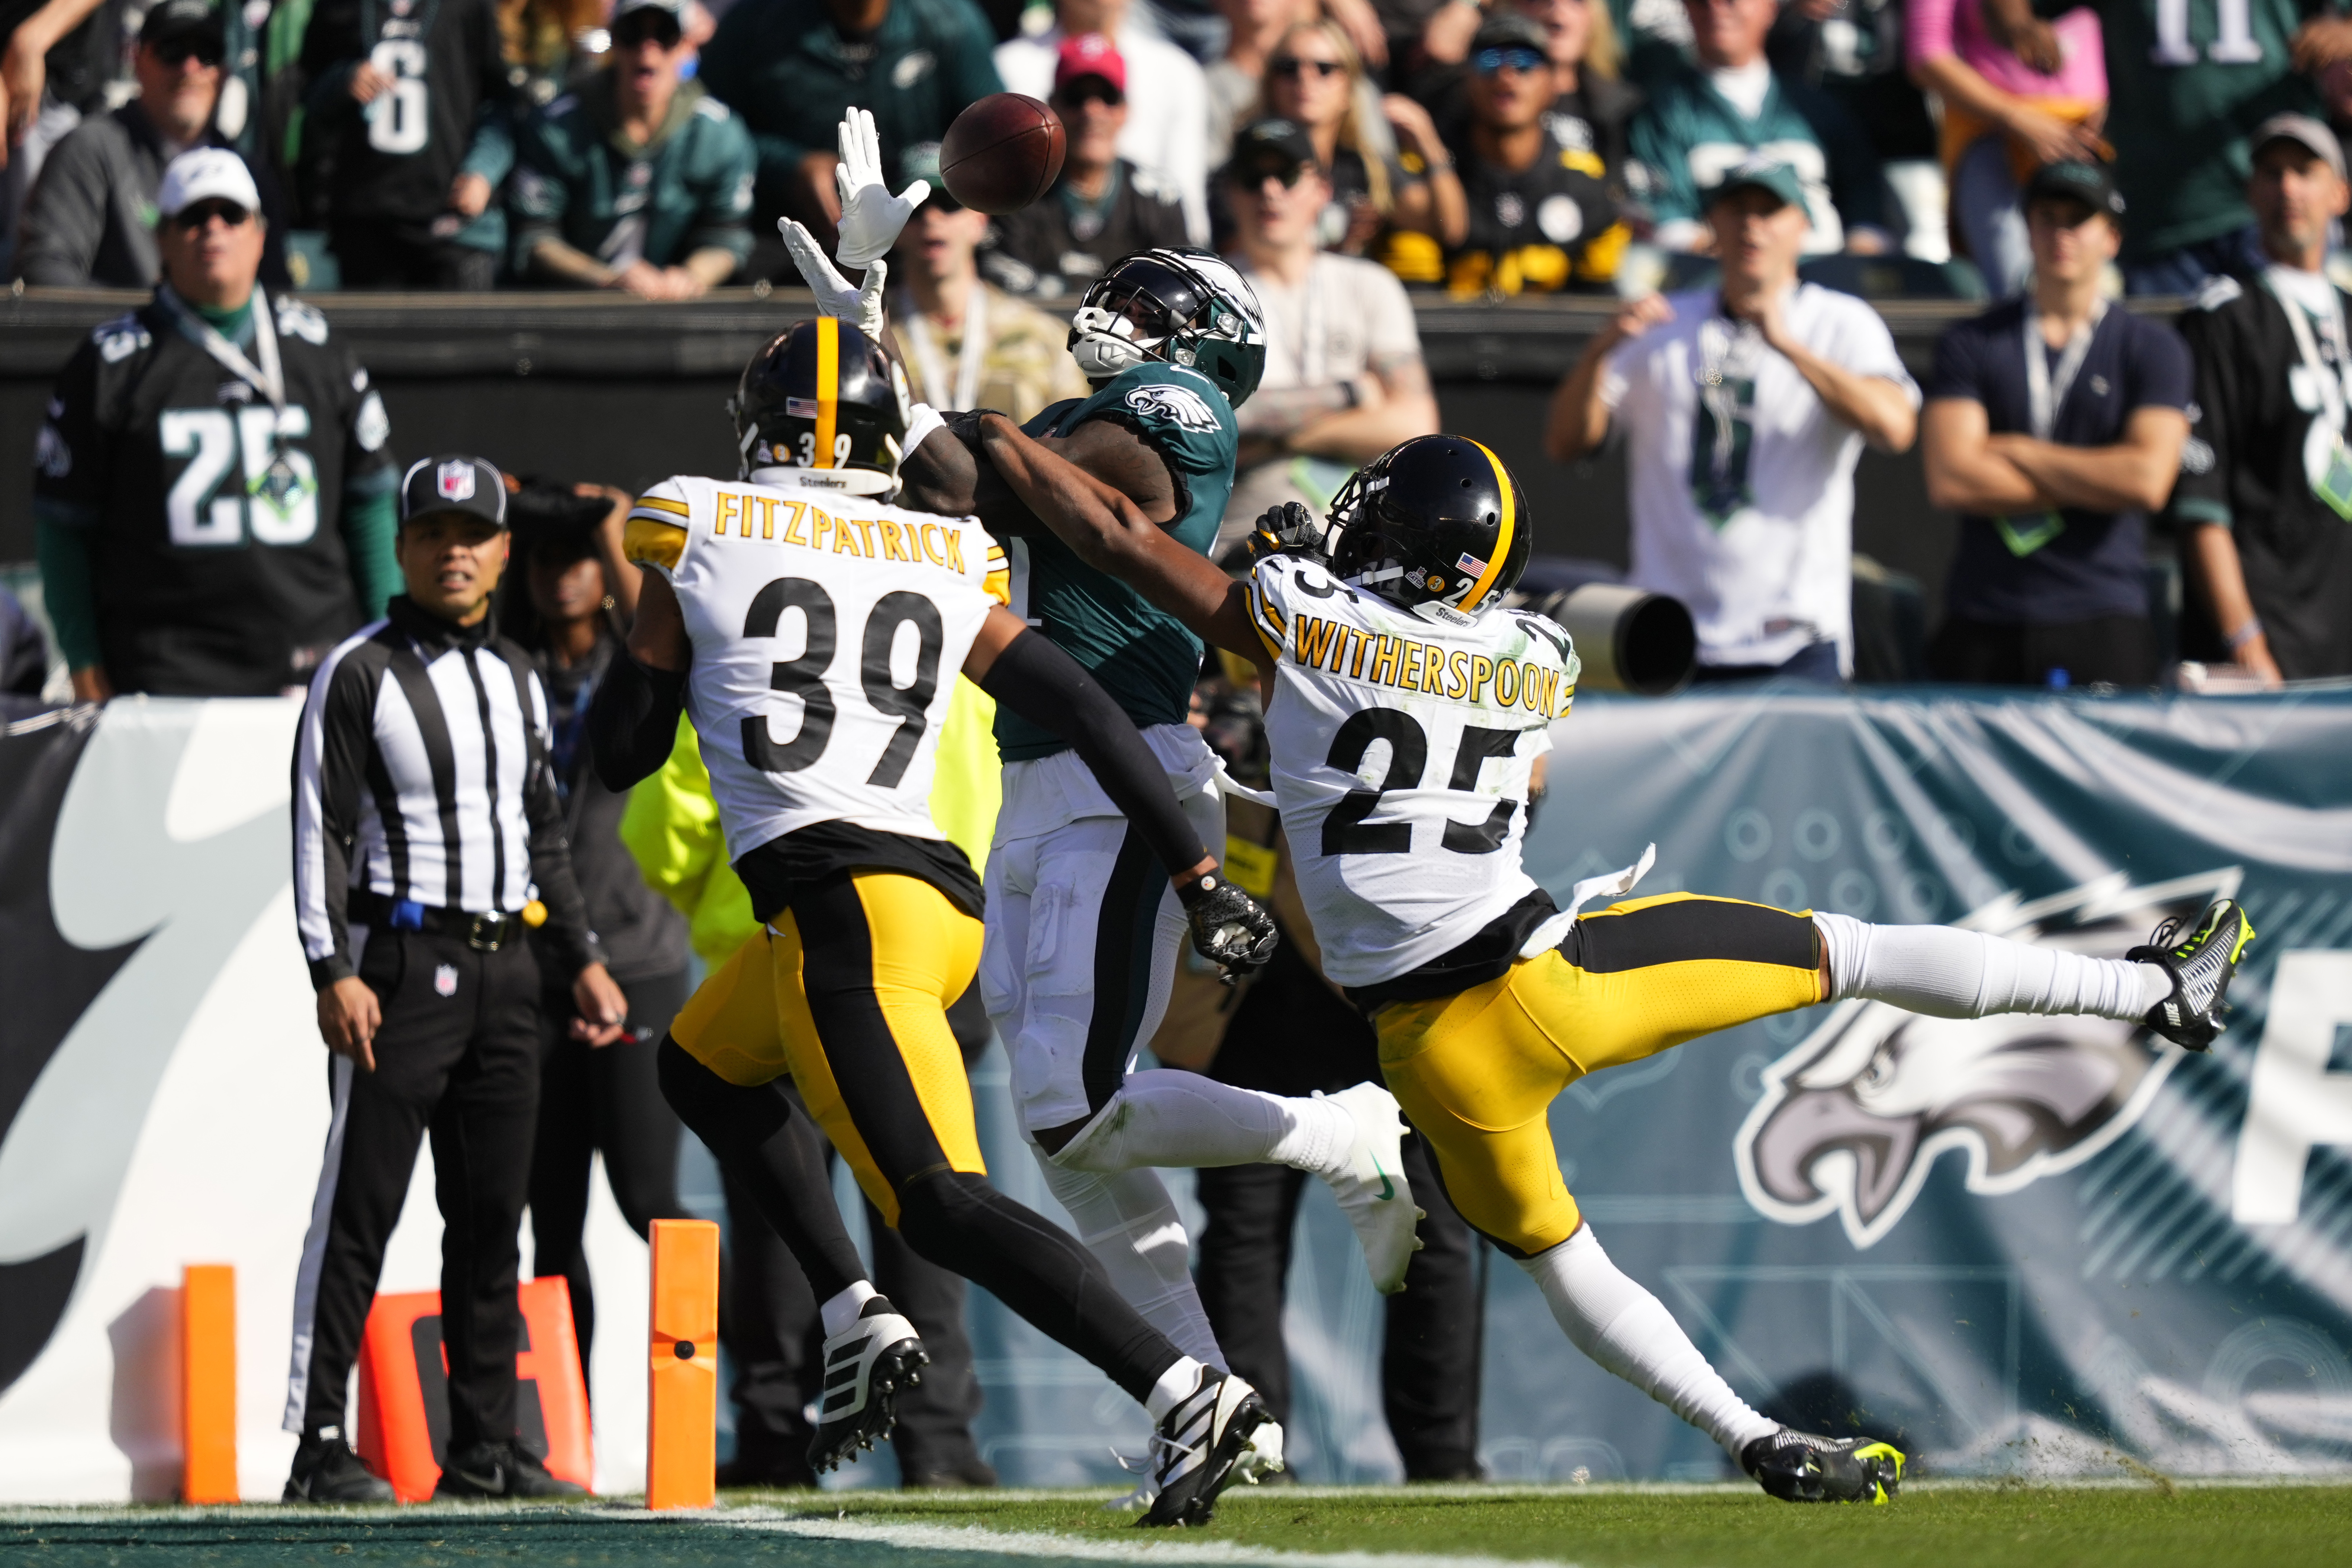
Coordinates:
(804, 677)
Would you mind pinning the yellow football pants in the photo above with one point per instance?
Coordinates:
(1476, 1072)
(848, 993)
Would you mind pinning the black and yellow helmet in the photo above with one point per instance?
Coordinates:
(1437, 525)
(824, 397)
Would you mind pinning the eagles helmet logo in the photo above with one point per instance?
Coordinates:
(1853, 1118)
(1179, 404)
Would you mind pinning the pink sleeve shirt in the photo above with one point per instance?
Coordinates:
(1941, 27)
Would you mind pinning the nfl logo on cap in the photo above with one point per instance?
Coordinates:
(454, 479)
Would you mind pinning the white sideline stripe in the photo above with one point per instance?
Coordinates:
(1034, 1544)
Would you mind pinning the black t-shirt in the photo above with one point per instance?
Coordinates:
(205, 586)
(1530, 228)
(641, 934)
(2023, 571)
(395, 158)
(1053, 247)
(2248, 466)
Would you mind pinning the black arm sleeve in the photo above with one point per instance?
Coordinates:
(633, 722)
(1047, 686)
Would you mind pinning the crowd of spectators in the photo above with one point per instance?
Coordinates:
(1482, 149)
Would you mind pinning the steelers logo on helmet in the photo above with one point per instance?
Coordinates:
(1437, 525)
(1178, 305)
(823, 398)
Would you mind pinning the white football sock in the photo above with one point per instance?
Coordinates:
(1128, 1221)
(1950, 973)
(1629, 1331)
(1175, 1386)
(1165, 1117)
(841, 1311)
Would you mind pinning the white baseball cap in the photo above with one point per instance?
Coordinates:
(203, 174)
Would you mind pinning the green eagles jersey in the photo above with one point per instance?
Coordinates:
(1142, 656)
(580, 179)
(2187, 81)
(1690, 136)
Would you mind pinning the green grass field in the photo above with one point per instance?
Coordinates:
(1949, 1526)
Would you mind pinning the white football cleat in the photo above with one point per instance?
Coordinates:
(864, 1367)
(1370, 1184)
(1197, 1448)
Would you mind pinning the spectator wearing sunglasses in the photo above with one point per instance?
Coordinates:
(410, 120)
(1344, 379)
(1167, 133)
(1102, 206)
(1381, 157)
(1592, 106)
(1541, 217)
(1729, 108)
(638, 181)
(213, 506)
(90, 223)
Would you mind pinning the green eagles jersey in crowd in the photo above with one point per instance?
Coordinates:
(1142, 656)
(2187, 80)
(581, 178)
(1690, 136)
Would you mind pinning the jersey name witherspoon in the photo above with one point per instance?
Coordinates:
(827, 631)
(1402, 754)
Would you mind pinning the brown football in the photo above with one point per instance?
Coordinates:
(1002, 152)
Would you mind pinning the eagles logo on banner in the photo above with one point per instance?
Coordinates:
(1853, 1119)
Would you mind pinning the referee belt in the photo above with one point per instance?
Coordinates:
(482, 933)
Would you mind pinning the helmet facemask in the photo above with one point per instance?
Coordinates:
(1169, 305)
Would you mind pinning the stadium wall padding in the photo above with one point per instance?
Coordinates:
(2033, 1247)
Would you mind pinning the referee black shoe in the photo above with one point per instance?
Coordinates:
(326, 1470)
(500, 1470)
(2201, 964)
(1798, 1466)
(866, 1365)
(1197, 1449)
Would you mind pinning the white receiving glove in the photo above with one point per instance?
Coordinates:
(835, 296)
(871, 217)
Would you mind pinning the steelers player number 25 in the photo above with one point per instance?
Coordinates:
(205, 507)
(396, 118)
(804, 677)
(1345, 829)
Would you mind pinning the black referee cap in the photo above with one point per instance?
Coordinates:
(455, 482)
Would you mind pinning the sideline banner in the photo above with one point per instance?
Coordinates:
(2034, 1246)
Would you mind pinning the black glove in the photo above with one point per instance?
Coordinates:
(965, 426)
(1286, 530)
(1229, 927)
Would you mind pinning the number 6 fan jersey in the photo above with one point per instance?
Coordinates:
(1400, 756)
(828, 630)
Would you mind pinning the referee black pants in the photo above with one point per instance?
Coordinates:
(457, 1056)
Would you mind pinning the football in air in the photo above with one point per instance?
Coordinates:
(1002, 152)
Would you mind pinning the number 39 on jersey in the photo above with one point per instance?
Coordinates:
(827, 629)
(1402, 752)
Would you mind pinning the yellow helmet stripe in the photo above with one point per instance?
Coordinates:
(1505, 532)
(828, 388)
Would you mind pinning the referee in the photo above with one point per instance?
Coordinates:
(427, 834)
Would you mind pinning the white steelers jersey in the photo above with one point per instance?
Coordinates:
(828, 630)
(1402, 750)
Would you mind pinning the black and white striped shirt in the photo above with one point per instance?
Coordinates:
(421, 773)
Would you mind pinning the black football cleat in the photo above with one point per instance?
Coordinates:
(1797, 1467)
(864, 1367)
(506, 1471)
(2201, 966)
(326, 1470)
(1197, 1450)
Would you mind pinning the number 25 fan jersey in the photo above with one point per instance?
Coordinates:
(1401, 753)
(828, 630)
